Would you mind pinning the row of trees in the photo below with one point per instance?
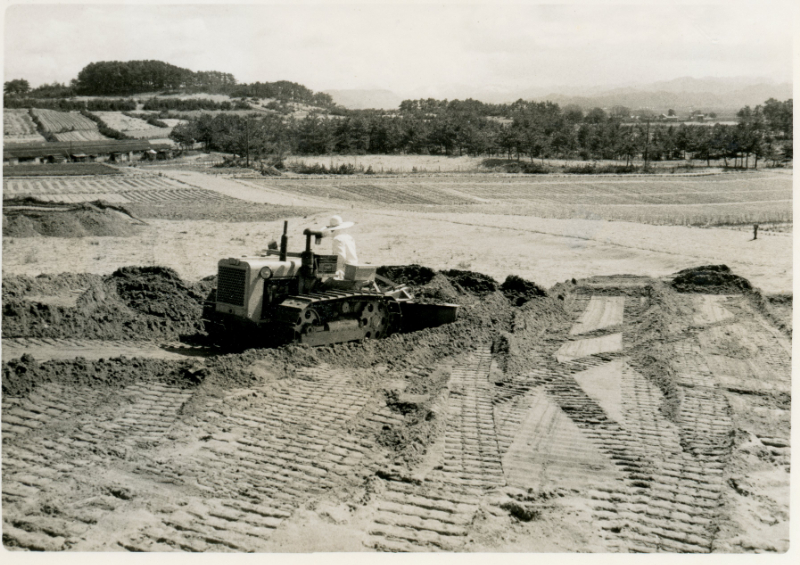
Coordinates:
(192, 104)
(535, 131)
(66, 105)
(283, 90)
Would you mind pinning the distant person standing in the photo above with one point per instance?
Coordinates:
(755, 231)
(344, 246)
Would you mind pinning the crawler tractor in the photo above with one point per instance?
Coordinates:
(283, 297)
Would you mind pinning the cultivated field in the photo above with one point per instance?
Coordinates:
(121, 122)
(58, 122)
(61, 170)
(116, 189)
(18, 127)
(665, 200)
(81, 135)
(133, 127)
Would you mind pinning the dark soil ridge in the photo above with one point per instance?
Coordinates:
(710, 279)
(31, 217)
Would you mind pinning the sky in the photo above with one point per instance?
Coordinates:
(410, 48)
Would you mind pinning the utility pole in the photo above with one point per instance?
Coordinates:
(647, 144)
(247, 138)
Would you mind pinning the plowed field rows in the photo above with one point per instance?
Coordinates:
(715, 199)
(18, 127)
(57, 122)
(121, 122)
(366, 191)
(119, 189)
(133, 127)
(82, 135)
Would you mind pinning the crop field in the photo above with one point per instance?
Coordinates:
(18, 122)
(18, 127)
(116, 189)
(133, 127)
(81, 135)
(121, 122)
(670, 200)
(58, 122)
(67, 169)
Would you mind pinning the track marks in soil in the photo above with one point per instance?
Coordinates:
(266, 451)
(602, 312)
(46, 349)
(55, 438)
(433, 514)
(549, 451)
(578, 348)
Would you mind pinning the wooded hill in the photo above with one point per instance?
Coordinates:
(128, 78)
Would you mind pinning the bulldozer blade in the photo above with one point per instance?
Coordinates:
(419, 316)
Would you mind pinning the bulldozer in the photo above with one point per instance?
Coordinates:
(282, 297)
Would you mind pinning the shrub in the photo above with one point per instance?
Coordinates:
(595, 169)
(320, 169)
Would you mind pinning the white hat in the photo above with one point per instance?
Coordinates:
(336, 223)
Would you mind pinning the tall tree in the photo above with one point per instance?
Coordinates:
(16, 87)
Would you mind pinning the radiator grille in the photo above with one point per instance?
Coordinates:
(231, 286)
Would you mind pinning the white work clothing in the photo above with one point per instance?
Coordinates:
(344, 246)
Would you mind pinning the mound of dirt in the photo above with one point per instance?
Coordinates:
(710, 279)
(131, 303)
(412, 275)
(29, 217)
(438, 289)
(519, 291)
(471, 283)
(47, 285)
(157, 291)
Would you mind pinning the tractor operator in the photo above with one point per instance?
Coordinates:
(344, 246)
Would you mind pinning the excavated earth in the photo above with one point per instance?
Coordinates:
(30, 217)
(606, 414)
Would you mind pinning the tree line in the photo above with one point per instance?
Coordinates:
(66, 105)
(533, 130)
(128, 78)
(192, 104)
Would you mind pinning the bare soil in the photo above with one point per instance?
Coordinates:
(588, 411)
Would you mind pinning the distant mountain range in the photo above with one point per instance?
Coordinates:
(681, 94)
(365, 99)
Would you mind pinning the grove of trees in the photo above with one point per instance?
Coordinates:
(530, 130)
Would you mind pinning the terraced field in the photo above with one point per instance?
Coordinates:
(58, 122)
(133, 127)
(18, 127)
